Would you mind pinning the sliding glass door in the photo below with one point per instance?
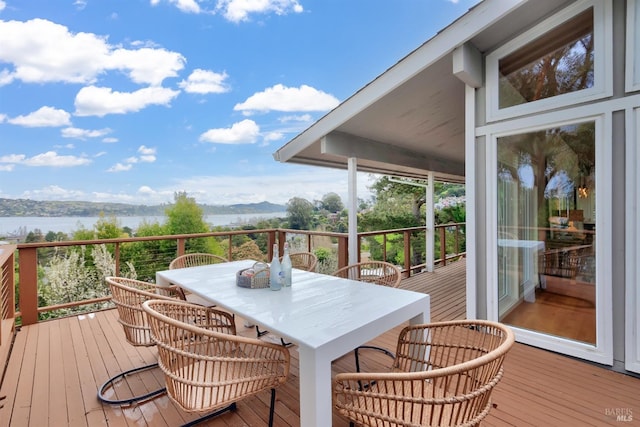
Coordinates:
(546, 217)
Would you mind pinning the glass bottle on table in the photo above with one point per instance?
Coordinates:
(275, 271)
(286, 266)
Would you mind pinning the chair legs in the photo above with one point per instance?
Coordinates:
(370, 347)
(128, 401)
(233, 407)
(260, 333)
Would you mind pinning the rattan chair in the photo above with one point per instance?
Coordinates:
(195, 259)
(128, 296)
(380, 273)
(207, 370)
(443, 375)
(303, 261)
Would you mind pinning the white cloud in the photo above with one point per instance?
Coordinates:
(187, 6)
(304, 118)
(244, 132)
(282, 98)
(119, 167)
(84, 133)
(308, 182)
(54, 192)
(204, 81)
(239, 10)
(147, 154)
(5, 77)
(44, 117)
(145, 189)
(7, 168)
(50, 158)
(12, 158)
(273, 136)
(110, 140)
(42, 51)
(3, 118)
(100, 101)
(146, 65)
(2, 5)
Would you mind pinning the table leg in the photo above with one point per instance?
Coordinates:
(420, 353)
(315, 389)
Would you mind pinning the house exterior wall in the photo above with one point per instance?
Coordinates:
(612, 108)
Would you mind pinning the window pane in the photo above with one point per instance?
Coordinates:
(560, 61)
(546, 238)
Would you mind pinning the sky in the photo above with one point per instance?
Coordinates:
(132, 101)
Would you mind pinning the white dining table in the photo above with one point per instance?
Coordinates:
(325, 316)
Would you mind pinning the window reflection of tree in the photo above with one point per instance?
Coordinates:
(560, 61)
(554, 161)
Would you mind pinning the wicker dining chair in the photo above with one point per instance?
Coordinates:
(377, 272)
(443, 375)
(206, 370)
(303, 261)
(195, 259)
(128, 296)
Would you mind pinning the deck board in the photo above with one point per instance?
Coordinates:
(57, 366)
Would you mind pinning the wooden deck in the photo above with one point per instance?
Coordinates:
(56, 368)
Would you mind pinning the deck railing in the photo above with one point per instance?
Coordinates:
(7, 301)
(153, 253)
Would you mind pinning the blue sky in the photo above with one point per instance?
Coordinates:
(131, 101)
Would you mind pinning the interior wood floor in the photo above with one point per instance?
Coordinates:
(565, 315)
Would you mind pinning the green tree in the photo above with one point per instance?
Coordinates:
(107, 227)
(299, 213)
(248, 250)
(149, 256)
(34, 236)
(184, 216)
(331, 202)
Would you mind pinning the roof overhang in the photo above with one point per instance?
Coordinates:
(410, 120)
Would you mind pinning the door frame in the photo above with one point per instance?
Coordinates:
(602, 351)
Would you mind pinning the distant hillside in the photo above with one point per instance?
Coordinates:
(26, 207)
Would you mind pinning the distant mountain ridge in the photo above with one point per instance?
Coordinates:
(27, 207)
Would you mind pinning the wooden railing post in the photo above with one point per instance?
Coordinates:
(271, 240)
(28, 270)
(406, 240)
(116, 255)
(230, 253)
(343, 251)
(8, 303)
(443, 246)
(282, 237)
(181, 246)
(384, 247)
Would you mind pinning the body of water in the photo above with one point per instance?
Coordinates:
(16, 226)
